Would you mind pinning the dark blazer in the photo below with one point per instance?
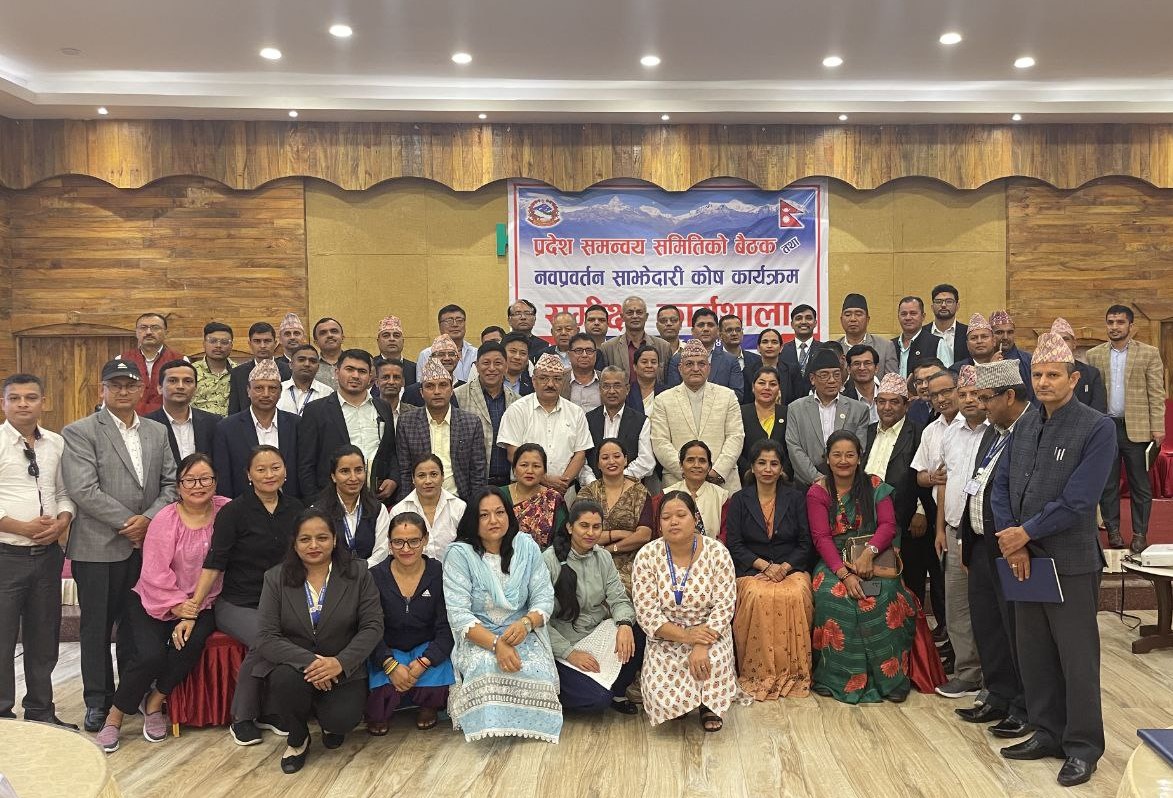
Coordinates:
(408, 368)
(525, 384)
(967, 535)
(723, 370)
(631, 423)
(899, 473)
(924, 346)
(413, 394)
(745, 530)
(238, 384)
(322, 429)
(235, 437)
(755, 433)
(635, 398)
(1090, 389)
(800, 384)
(423, 619)
(203, 423)
(753, 362)
(413, 439)
(350, 627)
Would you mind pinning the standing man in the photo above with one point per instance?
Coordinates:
(259, 423)
(582, 387)
(1135, 378)
(563, 327)
(328, 336)
(614, 419)
(189, 429)
(723, 368)
(291, 335)
(487, 397)
(523, 315)
(119, 472)
(668, 323)
(1003, 327)
(984, 347)
(854, 318)
(389, 339)
(944, 339)
(910, 312)
(452, 321)
(863, 383)
(1044, 505)
(150, 329)
(262, 342)
(303, 387)
(596, 322)
(389, 384)
(620, 350)
(812, 419)
(35, 512)
(213, 371)
(517, 365)
(731, 331)
(453, 435)
(796, 353)
(445, 350)
(1090, 389)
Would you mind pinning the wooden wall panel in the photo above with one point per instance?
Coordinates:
(358, 155)
(7, 345)
(83, 252)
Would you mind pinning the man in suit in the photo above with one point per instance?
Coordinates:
(613, 419)
(189, 429)
(523, 315)
(621, 349)
(1045, 506)
(1003, 327)
(863, 384)
(984, 348)
(262, 342)
(596, 321)
(453, 321)
(812, 419)
(119, 473)
(796, 353)
(389, 386)
(668, 324)
(444, 349)
(910, 312)
(487, 397)
(723, 368)
(731, 331)
(1135, 380)
(150, 330)
(1004, 399)
(581, 385)
(698, 409)
(453, 435)
(944, 339)
(1090, 389)
(303, 387)
(291, 335)
(348, 416)
(855, 318)
(260, 423)
(389, 339)
(517, 365)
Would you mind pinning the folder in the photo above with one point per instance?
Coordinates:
(1160, 740)
(1041, 586)
(1150, 455)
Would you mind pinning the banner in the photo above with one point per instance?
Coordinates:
(755, 254)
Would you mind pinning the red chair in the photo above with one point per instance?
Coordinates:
(204, 698)
(1162, 473)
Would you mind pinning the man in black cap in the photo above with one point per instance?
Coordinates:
(855, 317)
(812, 419)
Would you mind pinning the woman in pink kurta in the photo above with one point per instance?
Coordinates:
(684, 589)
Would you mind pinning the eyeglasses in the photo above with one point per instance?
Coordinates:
(582, 350)
(411, 543)
(452, 320)
(125, 387)
(523, 313)
(942, 393)
(218, 341)
(944, 301)
(203, 482)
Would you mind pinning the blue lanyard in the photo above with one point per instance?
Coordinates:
(994, 451)
(350, 535)
(316, 608)
(293, 395)
(678, 593)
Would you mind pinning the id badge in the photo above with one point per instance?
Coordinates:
(972, 487)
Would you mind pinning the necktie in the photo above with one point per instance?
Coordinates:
(802, 356)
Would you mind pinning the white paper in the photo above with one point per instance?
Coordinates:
(600, 644)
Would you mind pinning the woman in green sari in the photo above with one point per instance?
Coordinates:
(861, 643)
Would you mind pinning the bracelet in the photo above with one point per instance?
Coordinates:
(394, 665)
(495, 639)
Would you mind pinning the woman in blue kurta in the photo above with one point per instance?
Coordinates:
(499, 599)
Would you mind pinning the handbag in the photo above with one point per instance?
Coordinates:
(887, 564)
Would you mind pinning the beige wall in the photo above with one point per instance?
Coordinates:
(410, 246)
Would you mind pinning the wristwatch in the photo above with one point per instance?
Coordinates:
(527, 623)
(872, 549)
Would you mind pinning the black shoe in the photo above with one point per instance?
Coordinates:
(245, 732)
(1115, 541)
(940, 633)
(899, 696)
(981, 714)
(54, 721)
(625, 707)
(332, 741)
(1139, 544)
(1034, 748)
(1011, 728)
(95, 718)
(1075, 771)
(272, 723)
(292, 764)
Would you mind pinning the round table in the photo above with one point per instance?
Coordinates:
(1146, 775)
(1160, 634)
(43, 761)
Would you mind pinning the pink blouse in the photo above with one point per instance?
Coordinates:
(173, 556)
(818, 503)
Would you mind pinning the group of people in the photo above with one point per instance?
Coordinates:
(510, 530)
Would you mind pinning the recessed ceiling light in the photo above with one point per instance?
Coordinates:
(832, 61)
(1026, 62)
(102, 110)
(482, 116)
(664, 117)
(271, 53)
(950, 38)
(341, 31)
(461, 58)
(69, 51)
(650, 60)
(293, 114)
(842, 117)
(1016, 118)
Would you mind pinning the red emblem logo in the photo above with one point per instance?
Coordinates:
(543, 212)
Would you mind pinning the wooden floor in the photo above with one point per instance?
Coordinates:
(805, 747)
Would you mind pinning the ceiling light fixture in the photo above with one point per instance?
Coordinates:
(271, 53)
(950, 38)
(482, 116)
(842, 117)
(650, 60)
(1026, 62)
(461, 58)
(102, 110)
(832, 61)
(664, 117)
(293, 114)
(341, 31)
(1016, 118)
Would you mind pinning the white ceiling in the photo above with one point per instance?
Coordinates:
(578, 60)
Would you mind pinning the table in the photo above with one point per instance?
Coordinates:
(43, 761)
(1146, 774)
(1159, 635)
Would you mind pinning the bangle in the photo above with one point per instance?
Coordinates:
(495, 639)
(393, 666)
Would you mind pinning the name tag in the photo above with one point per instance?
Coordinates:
(972, 487)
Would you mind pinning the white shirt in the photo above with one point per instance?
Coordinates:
(362, 425)
(644, 461)
(959, 445)
(134, 445)
(946, 342)
(442, 528)
(465, 367)
(827, 417)
(562, 433)
(976, 519)
(293, 399)
(21, 495)
(928, 457)
(184, 432)
(266, 436)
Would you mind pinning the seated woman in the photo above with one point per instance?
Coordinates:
(861, 641)
(587, 593)
(499, 600)
(627, 508)
(696, 461)
(169, 631)
(764, 418)
(683, 590)
(539, 508)
(769, 540)
(440, 509)
(412, 661)
(319, 620)
(361, 520)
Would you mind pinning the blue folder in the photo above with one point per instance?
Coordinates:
(1041, 586)
(1160, 740)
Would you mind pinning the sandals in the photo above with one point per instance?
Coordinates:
(425, 719)
(710, 720)
(377, 729)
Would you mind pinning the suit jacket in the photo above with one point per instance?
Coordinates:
(236, 436)
(615, 352)
(753, 362)
(238, 384)
(723, 370)
(631, 424)
(1090, 389)
(899, 472)
(409, 370)
(889, 357)
(203, 423)
(967, 534)
(754, 433)
(804, 432)
(800, 384)
(470, 465)
(413, 394)
(100, 479)
(746, 535)
(1144, 388)
(472, 399)
(350, 626)
(322, 429)
(673, 426)
(924, 346)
